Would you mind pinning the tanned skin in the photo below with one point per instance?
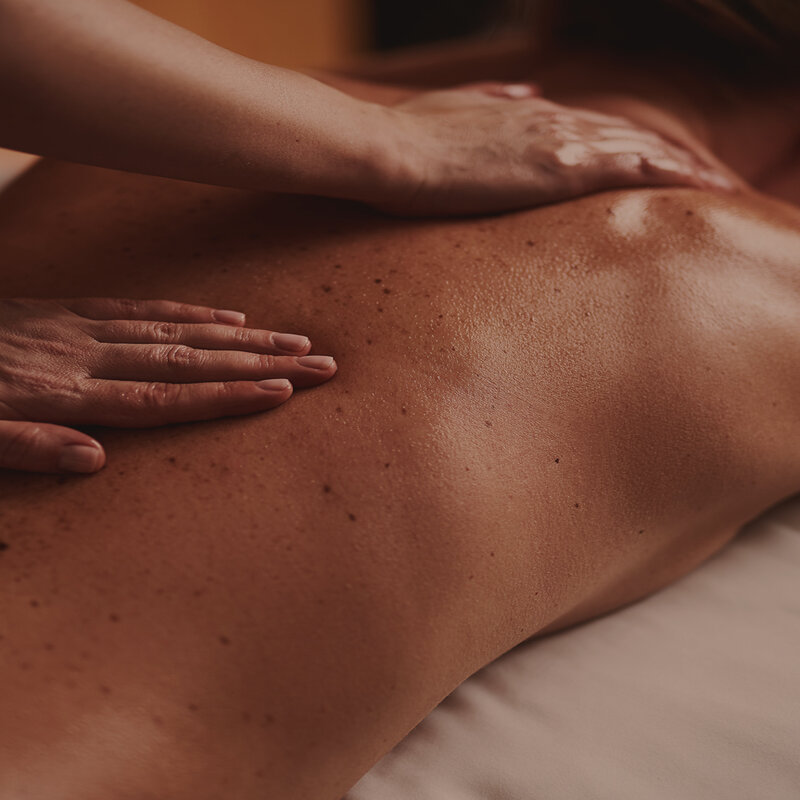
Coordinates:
(537, 418)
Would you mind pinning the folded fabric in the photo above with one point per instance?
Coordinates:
(693, 693)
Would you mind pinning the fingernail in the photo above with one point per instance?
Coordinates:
(290, 341)
(228, 317)
(80, 458)
(517, 90)
(316, 362)
(274, 385)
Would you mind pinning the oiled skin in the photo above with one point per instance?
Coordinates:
(536, 418)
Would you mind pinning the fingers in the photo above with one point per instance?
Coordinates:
(153, 310)
(178, 363)
(667, 172)
(647, 167)
(634, 150)
(36, 447)
(716, 168)
(206, 337)
(55, 371)
(624, 156)
(663, 159)
(145, 405)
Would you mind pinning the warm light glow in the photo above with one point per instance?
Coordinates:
(302, 33)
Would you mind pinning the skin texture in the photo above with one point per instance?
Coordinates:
(131, 363)
(159, 100)
(536, 418)
(162, 101)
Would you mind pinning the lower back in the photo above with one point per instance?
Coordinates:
(531, 413)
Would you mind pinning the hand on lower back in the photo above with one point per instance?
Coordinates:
(126, 363)
(489, 147)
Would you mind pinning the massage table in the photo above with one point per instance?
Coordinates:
(690, 694)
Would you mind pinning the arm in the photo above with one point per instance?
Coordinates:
(104, 82)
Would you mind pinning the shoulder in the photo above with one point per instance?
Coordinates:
(733, 241)
(682, 348)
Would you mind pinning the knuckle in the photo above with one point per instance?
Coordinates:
(127, 306)
(164, 331)
(553, 159)
(181, 356)
(242, 336)
(267, 362)
(626, 163)
(226, 392)
(551, 163)
(158, 396)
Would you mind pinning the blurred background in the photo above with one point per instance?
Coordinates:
(327, 33)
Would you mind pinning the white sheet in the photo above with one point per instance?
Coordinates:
(692, 694)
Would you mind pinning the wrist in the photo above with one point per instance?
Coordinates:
(379, 148)
(317, 140)
(392, 167)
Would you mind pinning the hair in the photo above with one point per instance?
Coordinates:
(750, 38)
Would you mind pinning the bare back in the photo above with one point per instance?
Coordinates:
(536, 418)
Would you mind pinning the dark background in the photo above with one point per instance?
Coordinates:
(399, 23)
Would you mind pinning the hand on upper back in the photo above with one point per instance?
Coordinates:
(489, 147)
(131, 363)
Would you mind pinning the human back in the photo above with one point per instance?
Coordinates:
(536, 417)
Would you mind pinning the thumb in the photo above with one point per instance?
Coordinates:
(37, 447)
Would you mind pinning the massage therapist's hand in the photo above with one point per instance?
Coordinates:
(493, 147)
(140, 94)
(131, 363)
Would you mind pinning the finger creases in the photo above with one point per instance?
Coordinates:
(150, 404)
(180, 363)
(203, 336)
(153, 310)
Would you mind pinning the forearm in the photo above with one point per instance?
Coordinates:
(106, 83)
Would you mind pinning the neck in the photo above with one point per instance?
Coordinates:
(754, 130)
